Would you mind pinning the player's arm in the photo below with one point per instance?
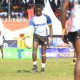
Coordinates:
(50, 30)
(49, 22)
(31, 24)
(4, 39)
(30, 30)
(63, 12)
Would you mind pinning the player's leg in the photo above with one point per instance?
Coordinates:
(43, 58)
(34, 56)
(71, 37)
(77, 66)
(74, 59)
(2, 51)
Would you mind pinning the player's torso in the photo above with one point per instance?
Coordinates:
(75, 14)
(40, 25)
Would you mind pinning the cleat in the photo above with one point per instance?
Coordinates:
(42, 70)
(34, 69)
(2, 60)
(73, 62)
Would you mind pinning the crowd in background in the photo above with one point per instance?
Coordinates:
(18, 8)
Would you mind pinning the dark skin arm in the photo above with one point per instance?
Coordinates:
(64, 9)
(51, 33)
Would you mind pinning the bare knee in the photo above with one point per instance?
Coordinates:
(43, 53)
(34, 52)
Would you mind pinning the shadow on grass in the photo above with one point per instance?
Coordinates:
(26, 71)
(23, 71)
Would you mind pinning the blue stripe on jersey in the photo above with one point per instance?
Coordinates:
(48, 19)
(40, 24)
(31, 23)
(3, 37)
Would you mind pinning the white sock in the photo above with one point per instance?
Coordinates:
(43, 65)
(74, 58)
(35, 63)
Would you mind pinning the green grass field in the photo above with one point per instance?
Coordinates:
(19, 69)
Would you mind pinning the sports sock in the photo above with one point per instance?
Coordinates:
(43, 65)
(35, 63)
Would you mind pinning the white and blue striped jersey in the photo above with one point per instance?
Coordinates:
(1, 39)
(40, 24)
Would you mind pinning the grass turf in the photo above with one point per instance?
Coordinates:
(19, 69)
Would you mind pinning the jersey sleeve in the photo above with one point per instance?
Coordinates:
(48, 20)
(31, 23)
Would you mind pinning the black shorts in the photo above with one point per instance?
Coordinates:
(73, 36)
(42, 40)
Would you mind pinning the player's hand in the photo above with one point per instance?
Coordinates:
(49, 43)
(26, 37)
(65, 38)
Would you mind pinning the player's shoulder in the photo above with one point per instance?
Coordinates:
(2, 35)
(33, 17)
(45, 15)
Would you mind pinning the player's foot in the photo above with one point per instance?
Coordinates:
(34, 69)
(73, 62)
(2, 60)
(42, 70)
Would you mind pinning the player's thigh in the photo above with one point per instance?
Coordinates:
(35, 42)
(35, 45)
(1, 47)
(77, 43)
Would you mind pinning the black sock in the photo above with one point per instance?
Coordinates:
(35, 66)
(2, 57)
(74, 60)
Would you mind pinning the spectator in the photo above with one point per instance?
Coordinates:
(16, 14)
(15, 7)
(13, 13)
(25, 15)
(23, 6)
(1, 7)
(53, 6)
(4, 14)
(32, 7)
(21, 14)
(26, 5)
